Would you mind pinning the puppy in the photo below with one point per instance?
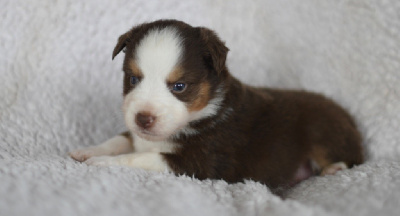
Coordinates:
(187, 114)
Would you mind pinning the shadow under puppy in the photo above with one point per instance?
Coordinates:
(187, 114)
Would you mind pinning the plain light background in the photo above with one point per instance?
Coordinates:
(59, 90)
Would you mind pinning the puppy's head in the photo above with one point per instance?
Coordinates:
(174, 75)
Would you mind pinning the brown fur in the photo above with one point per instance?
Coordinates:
(134, 69)
(128, 135)
(175, 75)
(258, 133)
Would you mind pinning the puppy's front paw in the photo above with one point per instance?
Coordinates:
(82, 154)
(101, 161)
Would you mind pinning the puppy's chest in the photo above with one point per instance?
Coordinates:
(142, 145)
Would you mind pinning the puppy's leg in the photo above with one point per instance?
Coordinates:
(120, 144)
(153, 161)
(333, 168)
(323, 165)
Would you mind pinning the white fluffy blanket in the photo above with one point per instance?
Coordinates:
(59, 91)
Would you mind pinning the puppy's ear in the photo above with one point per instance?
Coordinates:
(123, 40)
(216, 49)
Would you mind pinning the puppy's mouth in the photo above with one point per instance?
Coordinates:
(149, 135)
(154, 136)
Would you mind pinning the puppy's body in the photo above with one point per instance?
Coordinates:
(267, 135)
(187, 114)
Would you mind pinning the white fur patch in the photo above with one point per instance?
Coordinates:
(188, 131)
(151, 161)
(146, 156)
(143, 145)
(114, 146)
(159, 52)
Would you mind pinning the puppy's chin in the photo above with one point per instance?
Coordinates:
(155, 136)
(150, 136)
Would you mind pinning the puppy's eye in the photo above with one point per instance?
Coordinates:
(179, 87)
(134, 80)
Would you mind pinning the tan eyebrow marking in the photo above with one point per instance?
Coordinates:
(175, 75)
(135, 69)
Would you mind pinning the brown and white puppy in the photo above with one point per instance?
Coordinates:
(188, 115)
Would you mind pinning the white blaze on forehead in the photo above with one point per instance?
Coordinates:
(158, 52)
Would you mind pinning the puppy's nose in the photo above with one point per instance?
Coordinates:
(145, 120)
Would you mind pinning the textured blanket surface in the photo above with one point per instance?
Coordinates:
(59, 91)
